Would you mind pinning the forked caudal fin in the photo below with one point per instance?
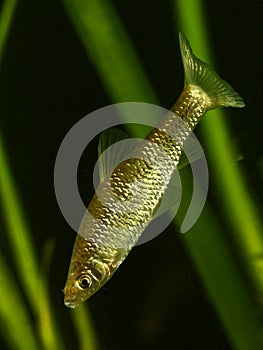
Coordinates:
(200, 74)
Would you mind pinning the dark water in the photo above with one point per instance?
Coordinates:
(156, 300)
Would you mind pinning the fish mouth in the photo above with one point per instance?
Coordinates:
(70, 304)
(70, 301)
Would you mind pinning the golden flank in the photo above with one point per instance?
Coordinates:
(126, 200)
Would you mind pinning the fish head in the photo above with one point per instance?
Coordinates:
(84, 281)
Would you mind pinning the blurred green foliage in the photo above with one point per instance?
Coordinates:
(103, 35)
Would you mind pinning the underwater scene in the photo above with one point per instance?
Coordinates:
(196, 280)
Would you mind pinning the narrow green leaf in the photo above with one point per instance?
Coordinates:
(221, 278)
(234, 308)
(7, 14)
(22, 249)
(18, 232)
(84, 328)
(108, 45)
(25, 258)
(234, 195)
(15, 324)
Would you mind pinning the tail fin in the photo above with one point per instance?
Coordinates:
(198, 73)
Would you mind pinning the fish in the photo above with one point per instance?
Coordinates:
(126, 200)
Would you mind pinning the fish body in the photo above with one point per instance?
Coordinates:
(125, 201)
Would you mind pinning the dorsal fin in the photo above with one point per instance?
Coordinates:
(108, 160)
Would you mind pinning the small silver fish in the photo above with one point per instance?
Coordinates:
(125, 201)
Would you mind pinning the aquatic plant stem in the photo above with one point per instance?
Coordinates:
(234, 195)
(84, 328)
(22, 248)
(97, 22)
(16, 326)
(7, 14)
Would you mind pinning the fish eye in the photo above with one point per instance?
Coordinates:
(84, 281)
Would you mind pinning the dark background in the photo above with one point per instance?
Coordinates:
(156, 300)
